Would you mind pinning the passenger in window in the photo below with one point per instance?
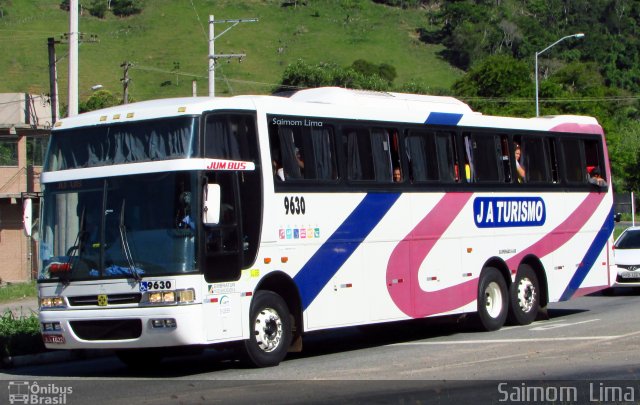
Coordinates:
(299, 160)
(519, 168)
(278, 171)
(596, 178)
(397, 175)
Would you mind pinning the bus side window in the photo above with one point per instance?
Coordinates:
(504, 155)
(484, 157)
(573, 158)
(593, 158)
(553, 159)
(431, 156)
(535, 160)
(302, 152)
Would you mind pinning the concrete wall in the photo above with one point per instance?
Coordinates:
(24, 109)
(21, 116)
(15, 263)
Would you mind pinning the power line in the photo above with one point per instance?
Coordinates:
(204, 32)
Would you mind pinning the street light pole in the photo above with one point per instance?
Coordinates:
(579, 35)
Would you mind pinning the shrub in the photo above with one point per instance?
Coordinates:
(98, 8)
(125, 8)
(20, 335)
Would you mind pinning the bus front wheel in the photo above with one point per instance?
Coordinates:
(524, 297)
(492, 299)
(270, 329)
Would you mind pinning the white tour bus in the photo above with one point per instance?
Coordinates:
(257, 219)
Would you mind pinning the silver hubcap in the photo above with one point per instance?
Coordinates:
(268, 330)
(526, 295)
(493, 299)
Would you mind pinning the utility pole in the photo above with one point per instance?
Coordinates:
(212, 56)
(73, 58)
(53, 70)
(125, 81)
(53, 80)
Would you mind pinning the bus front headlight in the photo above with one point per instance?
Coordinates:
(52, 302)
(170, 297)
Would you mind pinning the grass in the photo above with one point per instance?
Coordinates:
(168, 45)
(17, 291)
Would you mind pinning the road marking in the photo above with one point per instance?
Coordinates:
(561, 325)
(534, 340)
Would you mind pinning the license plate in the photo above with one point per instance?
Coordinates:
(630, 274)
(53, 338)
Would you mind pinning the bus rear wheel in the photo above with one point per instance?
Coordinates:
(524, 297)
(270, 329)
(492, 299)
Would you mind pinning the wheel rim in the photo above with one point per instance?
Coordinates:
(526, 295)
(493, 299)
(268, 329)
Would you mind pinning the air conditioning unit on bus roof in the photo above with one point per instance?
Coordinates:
(380, 99)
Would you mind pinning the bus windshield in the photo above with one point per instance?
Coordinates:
(142, 141)
(128, 226)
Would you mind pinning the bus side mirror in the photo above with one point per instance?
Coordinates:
(211, 204)
(27, 215)
(617, 217)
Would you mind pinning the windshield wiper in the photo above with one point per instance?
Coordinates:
(73, 251)
(125, 245)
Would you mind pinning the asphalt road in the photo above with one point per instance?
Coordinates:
(589, 345)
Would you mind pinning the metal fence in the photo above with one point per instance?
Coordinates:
(622, 202)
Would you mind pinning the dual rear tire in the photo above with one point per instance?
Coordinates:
(519, 303)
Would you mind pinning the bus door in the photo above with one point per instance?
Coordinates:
(223, 252)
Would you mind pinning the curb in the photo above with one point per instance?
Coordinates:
(53, 357)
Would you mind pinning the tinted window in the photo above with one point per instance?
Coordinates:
(534, 159)
(230, 136)
(368, 154)
(430, 155)
(629, 240)
(482, 151)
(574, 168)
(142, 141)
(302, 149)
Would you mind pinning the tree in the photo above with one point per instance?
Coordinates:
(125, 8)
(98, 8)
(496, 79)
(383, 70)
(99, 99)
(302, 75)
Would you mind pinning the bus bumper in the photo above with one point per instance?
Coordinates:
(123, 328)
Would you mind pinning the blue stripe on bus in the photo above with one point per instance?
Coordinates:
(438, 118)
(590, 257)
(326, 262)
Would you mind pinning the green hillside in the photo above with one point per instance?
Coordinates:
(168, 45)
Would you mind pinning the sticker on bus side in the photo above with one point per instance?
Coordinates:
(505, 212)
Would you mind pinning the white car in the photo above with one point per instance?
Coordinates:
(626, 251)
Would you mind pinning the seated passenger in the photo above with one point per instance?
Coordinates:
(397, 175)
(519, 168)
(278, 171)
(595, 178)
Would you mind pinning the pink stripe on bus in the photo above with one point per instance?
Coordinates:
(407, 257)
(410, 253)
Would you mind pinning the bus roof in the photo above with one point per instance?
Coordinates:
(331, 102)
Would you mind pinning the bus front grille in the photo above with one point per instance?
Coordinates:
(112, 329)
(112, 299)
